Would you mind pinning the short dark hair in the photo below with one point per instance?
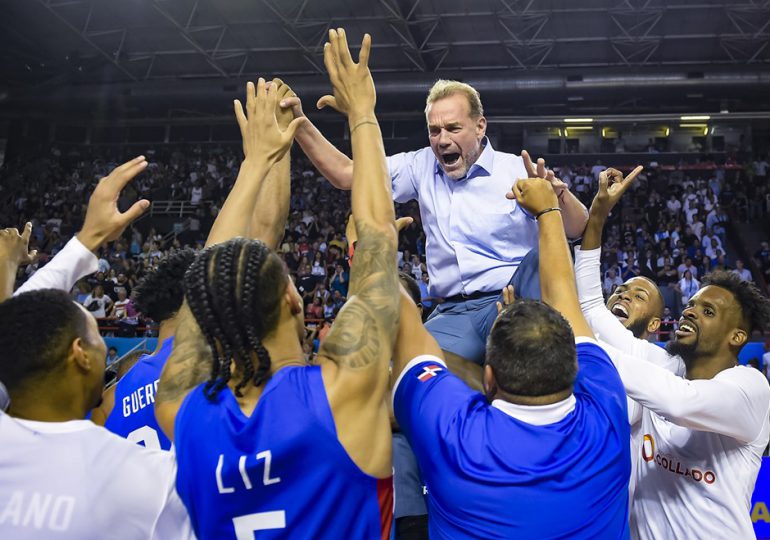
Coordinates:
(755, 307)
(160, 294)
(411, 286)
(38, 330)
(531, 350)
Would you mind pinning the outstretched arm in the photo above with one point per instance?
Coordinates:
(333, 164)
(14, 252)
(557, 280)
(702, 404)
(355, 355)
(264, 144)
(103, 223)
(271, 208)
(574, 213)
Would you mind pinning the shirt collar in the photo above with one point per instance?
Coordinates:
(537, 415)
(484, 163)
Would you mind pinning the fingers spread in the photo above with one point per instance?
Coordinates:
(240, 116)
(366, 47)
(530, 168)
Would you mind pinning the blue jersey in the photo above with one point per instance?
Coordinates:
(281, 471)
(490, 475)
(133, 415)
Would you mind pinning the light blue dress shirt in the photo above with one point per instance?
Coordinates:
(475, 236)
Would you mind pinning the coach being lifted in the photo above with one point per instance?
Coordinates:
(476, 237)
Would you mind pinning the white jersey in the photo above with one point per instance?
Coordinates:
(77, 481)
(698, 444)
(610, 331)
(697, 484)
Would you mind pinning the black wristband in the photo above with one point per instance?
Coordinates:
(546, 211)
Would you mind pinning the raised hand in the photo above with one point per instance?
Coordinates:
(535, 195)
(14, 247)
(352, 82)
(612, 185)
(262, 136)
(104, 222)
(287, 101)
(540, 171)
(508, 299)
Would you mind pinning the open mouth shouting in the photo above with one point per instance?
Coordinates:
(686, 328)
(450, 160)
(620, 311)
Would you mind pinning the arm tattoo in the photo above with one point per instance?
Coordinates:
(189, 363)
(366, 326)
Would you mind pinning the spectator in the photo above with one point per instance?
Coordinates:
(687, 287)
(668, 325)
(98, 303)
(611, 281)
(742, 272)
(339, 281)
(112, 355)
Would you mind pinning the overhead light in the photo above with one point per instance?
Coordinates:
(667, 132)
(705, 131)
(697, 126)
(560, 132)
(713, 128)
(724, 111)
(696, 117)
(578, 120)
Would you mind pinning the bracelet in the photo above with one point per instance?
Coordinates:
(546, 211)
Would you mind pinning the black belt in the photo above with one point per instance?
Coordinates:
(473, 296)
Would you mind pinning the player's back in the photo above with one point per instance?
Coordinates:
(133, 416)
(508, 471)
(280, 471)
(76, 481)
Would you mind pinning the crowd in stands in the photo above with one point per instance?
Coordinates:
(673, 229)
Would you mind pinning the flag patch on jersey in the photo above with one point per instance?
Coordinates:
(428, 372)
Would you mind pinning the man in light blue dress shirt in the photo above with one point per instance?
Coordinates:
(477, 238)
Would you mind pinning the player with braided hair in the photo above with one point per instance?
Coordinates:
(236, 396)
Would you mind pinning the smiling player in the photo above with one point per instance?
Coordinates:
(698, 440)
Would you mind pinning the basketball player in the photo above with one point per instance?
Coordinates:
(633, 312)
(64, 477)
(159, 297)
(702, 436)
(545, 453)
(267, 443)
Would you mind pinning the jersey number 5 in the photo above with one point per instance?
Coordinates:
(246, 526)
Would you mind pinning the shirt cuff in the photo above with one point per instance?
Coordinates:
(413, 362)
(587, 254)
(85, 261)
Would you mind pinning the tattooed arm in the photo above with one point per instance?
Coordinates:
(356, 354)
(188, 366)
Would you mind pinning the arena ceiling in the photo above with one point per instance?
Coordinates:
(532, 56)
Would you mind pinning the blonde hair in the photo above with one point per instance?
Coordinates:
(443, 88)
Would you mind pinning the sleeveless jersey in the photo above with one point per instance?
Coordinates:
(281, 471)
(133, 415)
